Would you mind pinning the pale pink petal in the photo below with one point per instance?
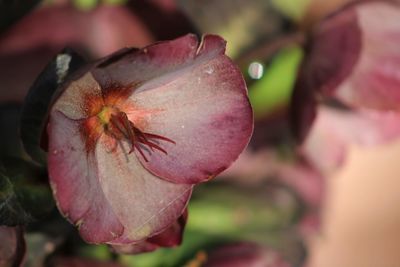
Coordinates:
(145, 204)
(203, 107)
(75, 96)
(74, 180)
(108, 193)
(334, 129)
(375, 80)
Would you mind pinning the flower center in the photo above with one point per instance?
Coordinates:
(116, 124)
(106, 113)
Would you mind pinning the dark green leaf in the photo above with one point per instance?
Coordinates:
(10, 143)
(12, 10)
(38, 100)
(24, 195)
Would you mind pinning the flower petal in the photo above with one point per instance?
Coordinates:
(73, 177)
(375, 80)
(145, 204)
(135, 67)
(108, 194)
(78, 98)
(354, 56)
(171, 237)
(334, 129)
(203, 107)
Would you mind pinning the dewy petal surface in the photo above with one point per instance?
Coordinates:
(108, 194)
(200, 102)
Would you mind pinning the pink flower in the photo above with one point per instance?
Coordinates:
(131, 134)
(348, 89)
(355, 56)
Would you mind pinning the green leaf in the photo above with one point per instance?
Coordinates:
(12, 10)
(274, 89)
(24, 196)
(39, 98)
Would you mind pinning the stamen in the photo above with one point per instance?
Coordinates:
(121, 127)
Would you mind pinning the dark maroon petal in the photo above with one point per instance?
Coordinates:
(170, 237)
(173, 235)
(303, 106)
(202, 106)
(12, 246)
(106, 193)
(334, 50)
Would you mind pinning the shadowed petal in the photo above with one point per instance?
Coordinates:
(74, 179)
(12, 247)
(145, 204)
(108, 193)
(170, 237)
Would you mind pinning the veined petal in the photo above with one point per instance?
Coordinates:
(80, 98)
(203, 108)
(170, 237)
(144, 203)
(73, 177)
(108, 193)
(134, 67)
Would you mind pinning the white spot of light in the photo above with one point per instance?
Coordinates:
(256, 70)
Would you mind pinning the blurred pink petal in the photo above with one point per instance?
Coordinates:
(334, 129)
(354, 56)
(102, 30)
(12, 247)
